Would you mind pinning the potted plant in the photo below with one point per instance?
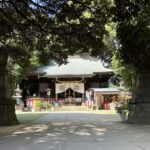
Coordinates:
(122, 110)
(37, 105)
(49, 107)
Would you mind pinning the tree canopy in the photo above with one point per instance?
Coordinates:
(133, 32)
(53, 28)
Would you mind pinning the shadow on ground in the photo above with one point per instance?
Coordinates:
(76, 131)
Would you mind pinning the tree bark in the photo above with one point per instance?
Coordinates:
(139, 108)
(7, 105)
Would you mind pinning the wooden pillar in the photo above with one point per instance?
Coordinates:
(96, 100)
(69, 92)
(82, 100)
(65, 94)
(74, 94)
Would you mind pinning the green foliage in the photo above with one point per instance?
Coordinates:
(55, 30)
(122, 108)
(49, 106)
(14, 76)
(110, 44)
(81, 25)
(127, 74)
(36, 32)
(34, 61)
(18, 70)
(133, 32)
(38, 105)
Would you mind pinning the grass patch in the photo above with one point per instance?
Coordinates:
(28, 117)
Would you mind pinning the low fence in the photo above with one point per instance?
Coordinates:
(54, 101)
(31, 101)
(59, 102)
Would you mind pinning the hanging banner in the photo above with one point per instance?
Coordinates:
(62, 87)
(78, 87)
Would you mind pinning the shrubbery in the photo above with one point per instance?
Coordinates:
(42, 105)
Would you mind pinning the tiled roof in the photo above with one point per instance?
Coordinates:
(76, 66)
(106, 90)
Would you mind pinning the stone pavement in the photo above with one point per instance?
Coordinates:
(77, 131)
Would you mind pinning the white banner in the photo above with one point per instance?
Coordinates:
(78, 87)
(62, 87)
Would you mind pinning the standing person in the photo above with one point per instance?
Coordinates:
(88, 100)
(91, 93)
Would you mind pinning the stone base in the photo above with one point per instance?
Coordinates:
(7, 113)
(139, 113)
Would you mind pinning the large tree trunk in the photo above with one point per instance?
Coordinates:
(7, 107)
(139, 109)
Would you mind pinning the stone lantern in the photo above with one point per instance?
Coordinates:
(17, 96)
(48, 92)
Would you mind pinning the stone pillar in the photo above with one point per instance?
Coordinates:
(7, 107)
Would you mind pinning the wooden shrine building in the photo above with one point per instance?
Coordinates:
(69, 80)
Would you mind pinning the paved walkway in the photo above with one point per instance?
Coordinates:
(77, 131)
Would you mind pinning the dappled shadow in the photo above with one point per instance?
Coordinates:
(32, 129)
(61, 128)
(71, 131)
